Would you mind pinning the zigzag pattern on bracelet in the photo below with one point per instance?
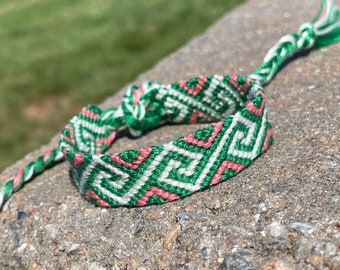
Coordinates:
(167, 172)
(239, 130)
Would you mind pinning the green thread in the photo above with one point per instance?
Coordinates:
(239, 133)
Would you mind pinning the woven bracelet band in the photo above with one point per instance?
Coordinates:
(239, 131)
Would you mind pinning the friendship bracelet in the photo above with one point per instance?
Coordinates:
(239, 131)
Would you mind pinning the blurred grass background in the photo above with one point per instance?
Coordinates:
(59, 55)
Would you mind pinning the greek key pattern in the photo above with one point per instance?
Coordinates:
(239, 130)
(159, 174)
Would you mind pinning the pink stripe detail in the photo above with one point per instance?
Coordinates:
(91, 194)
(65, 150)
(17, 178)
(71, 138)
(136, 95)
(144, 153)
(323, 13)
(159, 192)
(196, 89)
(195, 114)
(78, 159)
(242, 90)
(227, 164)
(255, 110)
(47, 155)
(106, 141)
(87, 113)
(270, 133)
(207, 143)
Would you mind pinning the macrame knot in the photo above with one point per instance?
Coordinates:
(141, 109)
(306, 34)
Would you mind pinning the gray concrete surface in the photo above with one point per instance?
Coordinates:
(280, 213)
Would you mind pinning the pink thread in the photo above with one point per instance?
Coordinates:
(242, 90)
(136, 95)
(323, 13)
(47, 155)
(255, 110)
(270, 133)
(196, 89)
(71, 138)
(106, 141)
(91, 194)
(89, 114)
(207, 143)
(66, 150)
(227, 164)
(159, 192)
(144, 153)
(195, 114)
(17, 178)
(78, 159)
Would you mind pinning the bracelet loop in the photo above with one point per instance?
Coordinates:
(239, 131)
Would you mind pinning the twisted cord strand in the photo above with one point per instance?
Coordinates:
(15, 183)
(323, 30)
(130, 177)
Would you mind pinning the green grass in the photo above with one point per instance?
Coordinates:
(59, 55)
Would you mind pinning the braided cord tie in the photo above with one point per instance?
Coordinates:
(323, 30)
(239, 131)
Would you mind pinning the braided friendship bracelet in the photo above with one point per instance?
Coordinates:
(240, 131)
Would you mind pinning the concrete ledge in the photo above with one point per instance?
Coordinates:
(283, 211)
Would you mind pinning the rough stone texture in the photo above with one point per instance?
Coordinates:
(280, 213)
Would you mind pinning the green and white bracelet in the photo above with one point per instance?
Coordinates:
(239, 131)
